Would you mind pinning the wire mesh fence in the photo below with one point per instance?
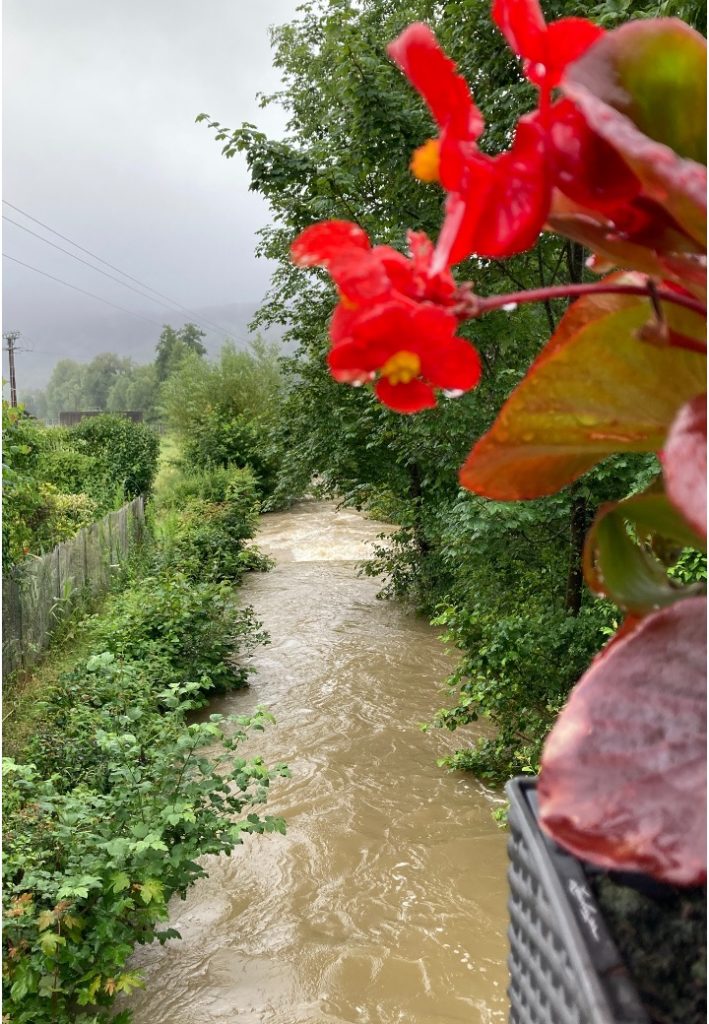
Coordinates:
(39, 593)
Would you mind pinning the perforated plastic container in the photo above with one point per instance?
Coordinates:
(564, 966)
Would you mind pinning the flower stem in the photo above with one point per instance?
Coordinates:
(475, 306)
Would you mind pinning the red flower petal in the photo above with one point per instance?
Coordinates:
(407, 398)
(546, 50)
(506, 202)
(434, 76)
(684, 463)
(453, 365)
(623, 778)
(588, 169)
(320, 243)
(567, 40)
(523, 26)
(351, 362)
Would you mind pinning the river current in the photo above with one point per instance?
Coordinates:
(385, 901)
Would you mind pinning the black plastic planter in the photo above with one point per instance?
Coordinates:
(564, 966)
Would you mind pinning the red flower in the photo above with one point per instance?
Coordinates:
(545, 49)
(394, 319)
(412, 348)
(587, 168)
(364, 274)
(460, 123)
(497, 206)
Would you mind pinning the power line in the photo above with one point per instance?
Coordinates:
(98, 270)
(142, 284)
(82, 290)
(86, 263)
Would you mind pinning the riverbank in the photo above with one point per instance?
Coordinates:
(110, 800)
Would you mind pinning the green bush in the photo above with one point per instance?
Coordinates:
(223, 439)
(67, 467)
(212, 513)
(214, 483)
(124, 452)
(94, 851)
(516, 671)
(185, 631)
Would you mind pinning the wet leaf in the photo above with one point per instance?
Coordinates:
(660, 250)
(642, 88)
(623, 780)
(50, 942)
(618, 567)
(151, 891)
(684, 461)
(595, 389)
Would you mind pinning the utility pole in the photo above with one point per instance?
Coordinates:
(11, 338)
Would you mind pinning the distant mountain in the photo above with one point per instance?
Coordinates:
(47, 338)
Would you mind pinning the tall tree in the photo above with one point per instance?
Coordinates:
(174, 345)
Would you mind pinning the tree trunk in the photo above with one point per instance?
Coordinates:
(578, 521)
(578, 524)
(416, 495)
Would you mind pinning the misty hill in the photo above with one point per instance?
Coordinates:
(51, 335)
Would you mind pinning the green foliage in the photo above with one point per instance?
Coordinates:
(182, 628)
(214, 484)
(226, 413)
(117, 796)
(111, 383)
(516, 670)
(95, 850)
(57, 481)
(126, 452)
(174, 346)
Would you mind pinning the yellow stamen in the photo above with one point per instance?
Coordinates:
(426, 160)
(344, 301)
(401, 368)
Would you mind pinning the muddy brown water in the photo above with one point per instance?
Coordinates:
(385, 901)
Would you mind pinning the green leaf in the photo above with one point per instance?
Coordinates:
(595, 389)
(46, 919)
(151, 891)
(129, 981)
(120, 881)
(50, 942)
(618, 567)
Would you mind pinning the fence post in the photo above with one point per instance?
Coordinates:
(85, 580)
(59, 572)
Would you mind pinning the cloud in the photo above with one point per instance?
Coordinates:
(101, 144)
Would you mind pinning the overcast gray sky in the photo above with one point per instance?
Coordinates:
(100, 144)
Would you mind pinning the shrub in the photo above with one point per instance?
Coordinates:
(185, 631)
(214, 483)
(516, 671)
(221, 439)
(126, 452)
(92, 859)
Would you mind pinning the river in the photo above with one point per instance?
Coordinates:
(385, 901)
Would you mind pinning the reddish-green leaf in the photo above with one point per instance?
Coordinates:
(623, 780)
(618, 567)
(642, 88)
(595, 389)
(661, 251)
(684, 460)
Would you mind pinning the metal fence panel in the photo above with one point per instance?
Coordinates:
(40, 592)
